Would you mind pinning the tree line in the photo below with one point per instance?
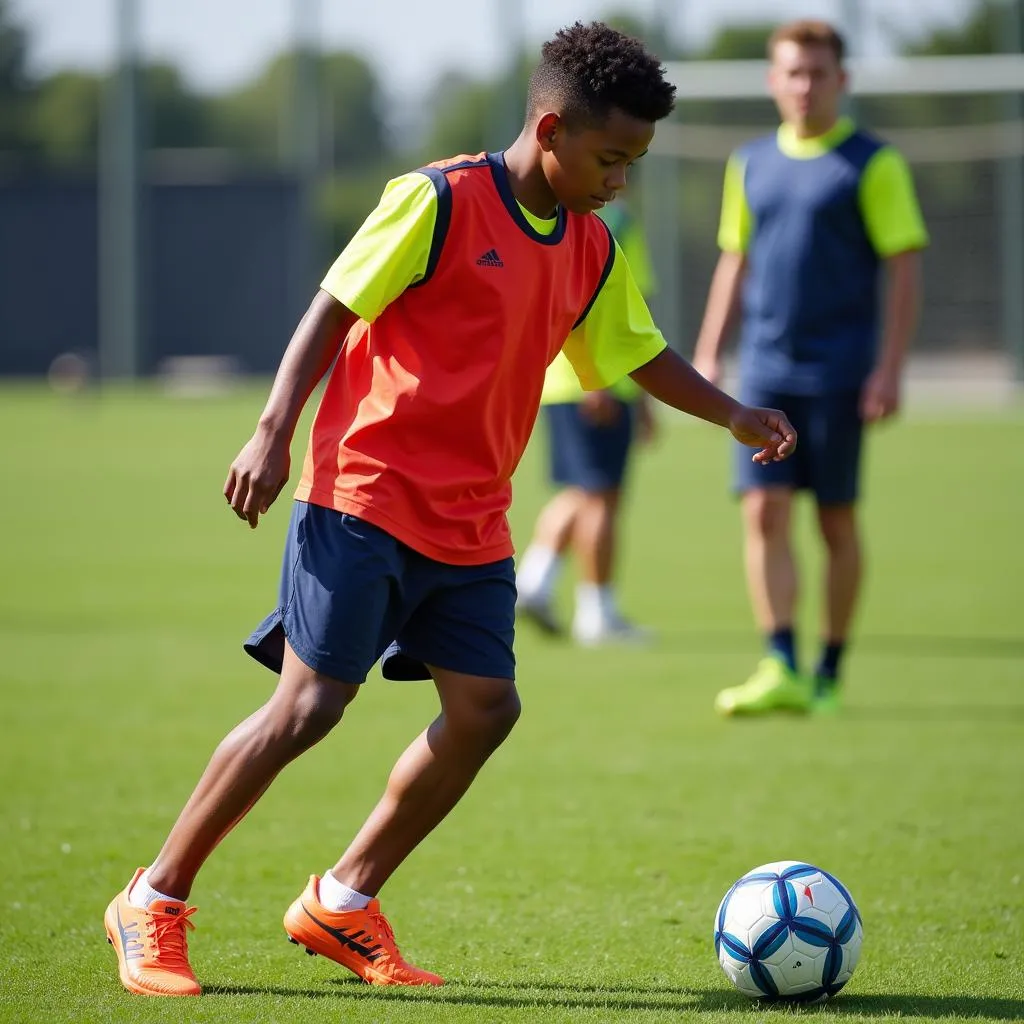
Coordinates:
(52, 123)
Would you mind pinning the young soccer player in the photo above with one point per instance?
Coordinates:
(440, 318)
(590, 437)
(810, 216)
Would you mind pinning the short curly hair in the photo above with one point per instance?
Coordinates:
(588, 70)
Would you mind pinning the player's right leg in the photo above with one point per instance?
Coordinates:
(461, 618)
(150, 940)
(335, 624)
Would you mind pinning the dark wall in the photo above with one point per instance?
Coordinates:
(216, 272)
(48, 273)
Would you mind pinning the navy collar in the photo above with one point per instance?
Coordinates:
(499, 172)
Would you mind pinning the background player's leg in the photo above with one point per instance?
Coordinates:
(554, 527)
(843, 573)
(772, 583)
(305, 706)
(431, 776)
(597, 618)
(594, 535)
(844, 567)
(539, 567)
(771, 567)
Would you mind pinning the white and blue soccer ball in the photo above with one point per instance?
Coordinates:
(788, 932)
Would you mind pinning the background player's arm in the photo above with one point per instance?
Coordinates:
(892, 218)
(881, 395)
(261, 468)
(734, 231)
(719, 314)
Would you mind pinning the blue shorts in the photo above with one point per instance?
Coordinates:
(827, 457)
(351, 593)
(585, 455)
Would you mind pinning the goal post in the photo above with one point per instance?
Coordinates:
(959, 120)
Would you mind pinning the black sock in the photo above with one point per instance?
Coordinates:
(831, 656)
(782, 643)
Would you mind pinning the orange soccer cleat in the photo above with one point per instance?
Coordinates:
(361, 940)
(151, 945)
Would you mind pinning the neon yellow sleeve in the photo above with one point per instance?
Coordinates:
(889, 205)
(617, 336)
(737, 222)
(390, 251)
(633, 242)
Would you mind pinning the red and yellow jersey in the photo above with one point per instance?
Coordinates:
(464, 300)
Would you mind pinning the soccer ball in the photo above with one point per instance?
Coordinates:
(788, 932)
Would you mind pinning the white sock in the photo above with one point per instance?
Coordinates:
(335, 896)
(595, 603)
(537, 571)
(143, 894)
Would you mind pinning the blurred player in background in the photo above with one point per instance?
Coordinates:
(590, 436)
(810, 215)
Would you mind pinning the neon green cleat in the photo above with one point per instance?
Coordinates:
(772, 687)
(826, 697)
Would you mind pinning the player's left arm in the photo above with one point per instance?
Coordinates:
(896, 229)
(618, 337)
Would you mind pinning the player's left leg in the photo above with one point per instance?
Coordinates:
(460, 633)
(835, 457)
(428, 780)
(843, 573)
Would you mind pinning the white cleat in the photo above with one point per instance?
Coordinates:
(610, 630)
(538, 610)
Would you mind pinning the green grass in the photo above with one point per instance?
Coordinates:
(579, 878)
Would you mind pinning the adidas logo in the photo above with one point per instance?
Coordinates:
(490, 259)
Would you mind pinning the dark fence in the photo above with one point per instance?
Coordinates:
(217, 272)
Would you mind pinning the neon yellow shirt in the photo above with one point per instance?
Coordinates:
(561, 385)
(888, 202)
(390, 252)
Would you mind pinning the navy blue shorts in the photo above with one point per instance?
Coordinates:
(351, 593)
(827, 457)
(586, 455)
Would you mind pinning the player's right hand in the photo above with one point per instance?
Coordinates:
(257, 476)
(766, 429)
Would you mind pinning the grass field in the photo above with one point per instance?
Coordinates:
(579, 878)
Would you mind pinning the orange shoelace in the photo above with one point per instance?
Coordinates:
(387, 936)
(169, 935)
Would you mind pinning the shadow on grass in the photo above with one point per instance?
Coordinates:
(639, 997)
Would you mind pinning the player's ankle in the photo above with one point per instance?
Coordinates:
(143, 894)
(337, 896)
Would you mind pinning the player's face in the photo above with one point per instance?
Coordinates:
(587, 169)
(807, 84)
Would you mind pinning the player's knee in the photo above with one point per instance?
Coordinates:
(767, 512)
(838, 527)
(487, 721)
(312, 711)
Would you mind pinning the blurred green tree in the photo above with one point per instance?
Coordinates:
(258, 118)
(15, 86)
